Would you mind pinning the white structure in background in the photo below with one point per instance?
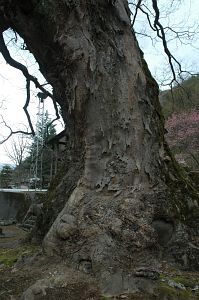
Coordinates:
(37, 162)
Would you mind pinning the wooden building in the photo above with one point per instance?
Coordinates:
(58, 146)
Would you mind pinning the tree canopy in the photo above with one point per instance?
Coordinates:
(6, 176)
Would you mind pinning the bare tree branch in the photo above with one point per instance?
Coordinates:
(161, 31)
(4, 51)
(18, 149)
(25, 108)
(161, 34)
(136, 11)
(138, 6)
(145, 35)
(11, 131)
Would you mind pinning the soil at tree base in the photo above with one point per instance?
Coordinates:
(51, 278)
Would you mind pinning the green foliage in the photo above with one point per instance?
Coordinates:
(167, 292)
(39, 151)
(6, 176)
(9, 256)
(46, 131)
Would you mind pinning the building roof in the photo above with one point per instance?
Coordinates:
(56, 139)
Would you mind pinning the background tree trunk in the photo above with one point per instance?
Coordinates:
(124, 198)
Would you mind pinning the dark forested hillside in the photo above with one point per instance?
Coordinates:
(181, 110)
(184, 97)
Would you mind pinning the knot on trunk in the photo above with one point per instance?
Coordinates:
(66, 227)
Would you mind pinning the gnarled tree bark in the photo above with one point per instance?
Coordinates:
(124, 198)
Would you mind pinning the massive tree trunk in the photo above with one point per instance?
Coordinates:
(124, 199)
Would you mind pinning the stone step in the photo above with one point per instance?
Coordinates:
(32, 217)
(28, 226)
(31, 222)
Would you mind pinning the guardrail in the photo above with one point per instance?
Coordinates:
(23, 190)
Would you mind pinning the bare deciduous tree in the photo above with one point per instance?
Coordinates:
(158, 25)
(18, 149)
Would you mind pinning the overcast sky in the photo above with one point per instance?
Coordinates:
(182, 15)
(12, 82)
(13, 94)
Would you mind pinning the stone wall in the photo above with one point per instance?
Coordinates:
(14, 205)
